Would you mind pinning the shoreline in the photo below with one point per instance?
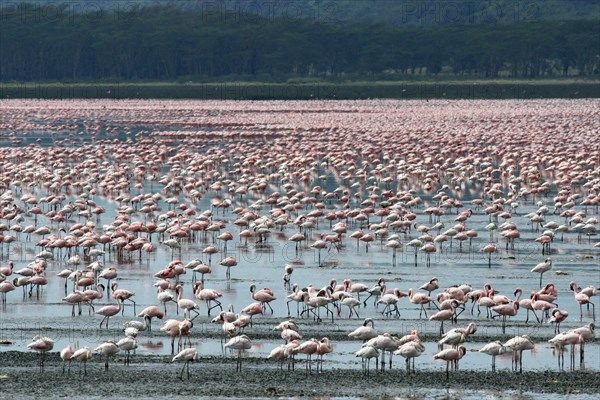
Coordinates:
(409, 90)
(216, 376)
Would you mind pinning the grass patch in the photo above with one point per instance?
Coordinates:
(451, 89)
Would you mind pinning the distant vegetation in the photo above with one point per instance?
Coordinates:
(201, 44)
(403, 13)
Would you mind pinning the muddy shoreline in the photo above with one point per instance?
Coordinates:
(156, 376)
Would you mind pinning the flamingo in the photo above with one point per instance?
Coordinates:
(493, 349)
(562, 339)
(582, 299)
(489, 249)
(287, 276)
(239, 343)
(444, 315)
(410, 350)
(518, 344)
(176, 328)
(295, 296)
(319, 245)
(357, 288)
(364, 332)
(430, 286)
(107, 312)
(588, 331)
(252, 310)
(391, 303)
(202, 269)
(525, 303)
(366, 353)
(65, 355)
(540, 305)
(208, 295)
(228, 262)
(316, 303)
(451, 356)
(42, 345)
(148, 313)
(505, 310)
(324, 347)
(384, 342)
(263, 296)
(420, 299)
(74, 298)
(309, 348)
(297, 238)
(107, 349)
(456, 336)
(122, 295)
(127, 344)
(164, 296)
(542, 267)
(376, 291)
(278, 354)
(348, 301)
(186, 356)
(108, 274)
(83, 356)
(186, 304)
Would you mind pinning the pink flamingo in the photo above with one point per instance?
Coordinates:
(252, 310)
(525, 303)
(228, 262)
(65, 355)
(518, 344)
(557, 316)
(325, 347)
(42, 345)
(186, 356)
(83, 356)
(542, 267)
(451, 356)
(420, 299)
(176, 328)
(108, 349)
(364, 332)
(263, 296)
(410, 350)
(186, 304)
(208, 295)
(121, 295)
(430, 286)
(505, 310)
(109, 311)
(582, 299)
(562, 339)
(239, 343)
(384, 342)
(151, 312)
(75, 298)
(489, 249)
(444, 315)
(493, 349)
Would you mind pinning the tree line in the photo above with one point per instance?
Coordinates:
(168, 43)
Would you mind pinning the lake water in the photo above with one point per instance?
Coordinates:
(174, 132)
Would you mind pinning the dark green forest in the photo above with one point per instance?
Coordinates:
(404, 13)
(171, 43)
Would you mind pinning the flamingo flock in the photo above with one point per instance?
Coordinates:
(125, 203)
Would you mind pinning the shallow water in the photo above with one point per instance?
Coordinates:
(22, 318)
